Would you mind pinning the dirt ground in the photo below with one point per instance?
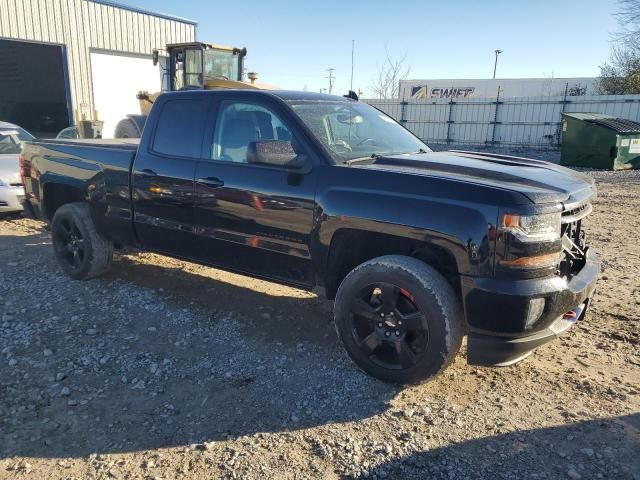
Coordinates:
(166, 369)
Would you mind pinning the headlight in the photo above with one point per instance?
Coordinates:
(530, 242)
(533, 228)
(3, 183)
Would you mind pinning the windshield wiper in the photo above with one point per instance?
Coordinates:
(363, 159)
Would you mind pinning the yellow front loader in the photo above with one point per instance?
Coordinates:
(190, 66)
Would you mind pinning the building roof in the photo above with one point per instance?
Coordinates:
(110, 3)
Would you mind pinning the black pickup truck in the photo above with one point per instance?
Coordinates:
(418, 248)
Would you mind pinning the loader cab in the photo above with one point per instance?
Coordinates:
(202, 65)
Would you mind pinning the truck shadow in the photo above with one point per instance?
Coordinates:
(151, 357)
(274, 312)
(603, 448)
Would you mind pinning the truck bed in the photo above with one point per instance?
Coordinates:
(95, 170)
(81, 160)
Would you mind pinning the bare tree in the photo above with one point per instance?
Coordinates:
(621, 73)
(629, 20)
(386, 82)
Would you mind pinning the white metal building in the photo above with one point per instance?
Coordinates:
(488, 88)
(66, 60)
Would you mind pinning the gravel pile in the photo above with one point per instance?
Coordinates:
(166, 369)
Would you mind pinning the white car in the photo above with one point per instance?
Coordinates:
(11, 192)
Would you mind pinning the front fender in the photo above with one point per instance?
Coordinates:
(462, 229)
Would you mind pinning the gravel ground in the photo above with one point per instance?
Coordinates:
(542, 153)
(167, 369)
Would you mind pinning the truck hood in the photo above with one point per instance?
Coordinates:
(10, 169)
(539, 181)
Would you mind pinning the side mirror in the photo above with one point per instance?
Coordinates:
(279, 153)
(155, 56)
(347, 118)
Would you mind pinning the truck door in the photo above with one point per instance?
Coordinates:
(163, 175)
(250, 217)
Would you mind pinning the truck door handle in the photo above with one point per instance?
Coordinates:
(147, 172)
(211, 182)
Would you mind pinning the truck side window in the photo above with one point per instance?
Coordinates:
(180, 128)
(238, 124)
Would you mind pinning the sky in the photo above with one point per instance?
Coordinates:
(292, 43)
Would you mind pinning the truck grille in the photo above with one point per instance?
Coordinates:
(574, 240)
(577, 213)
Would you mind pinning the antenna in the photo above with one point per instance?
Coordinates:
(353, 48)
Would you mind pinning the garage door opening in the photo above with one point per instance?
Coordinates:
(117, 79)
(33, 87)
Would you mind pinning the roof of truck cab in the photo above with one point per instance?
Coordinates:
(8, 125)
(286, 95)
(307, 96)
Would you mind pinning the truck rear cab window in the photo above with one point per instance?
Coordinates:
(180, 128)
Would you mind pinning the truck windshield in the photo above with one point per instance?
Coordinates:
(353, 130)
(220, 64)
(11, 140)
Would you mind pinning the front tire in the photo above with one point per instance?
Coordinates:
(399, 319)
(80, 250)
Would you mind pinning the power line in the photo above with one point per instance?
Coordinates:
(331, 78)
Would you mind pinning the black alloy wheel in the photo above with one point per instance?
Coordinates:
(388, 326)
(80, 250)
(399, 319)
(69, 243)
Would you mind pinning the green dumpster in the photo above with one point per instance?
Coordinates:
(599, 141)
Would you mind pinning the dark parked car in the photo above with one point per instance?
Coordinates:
(418, 248)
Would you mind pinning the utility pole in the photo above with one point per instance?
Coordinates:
(495, 65)
(331, 78)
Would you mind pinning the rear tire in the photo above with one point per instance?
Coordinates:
(399, 319)
(127, 128)
(80, 250)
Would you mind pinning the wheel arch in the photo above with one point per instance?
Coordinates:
(55, 194)
(352, 247)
